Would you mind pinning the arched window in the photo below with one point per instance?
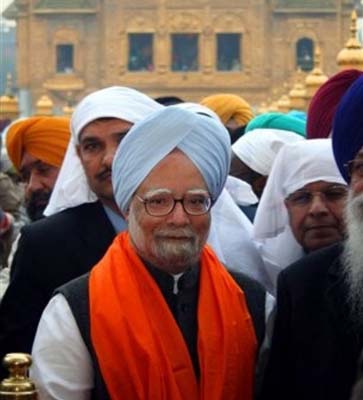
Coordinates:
(305, 54)
(64, 58)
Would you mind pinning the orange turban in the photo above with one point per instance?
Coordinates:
(228, 106)
(45, 138)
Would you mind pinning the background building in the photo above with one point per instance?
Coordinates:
(188, 48)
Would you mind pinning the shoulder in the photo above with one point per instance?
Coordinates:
(307, 279)
(315, 264)
(64, 220)
(255, 296)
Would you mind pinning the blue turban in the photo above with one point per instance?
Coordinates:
(275, 120)
(348, 126)
(201, 138)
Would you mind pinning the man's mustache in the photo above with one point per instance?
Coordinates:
(104, 174)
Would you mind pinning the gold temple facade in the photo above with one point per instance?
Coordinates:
(185, 48)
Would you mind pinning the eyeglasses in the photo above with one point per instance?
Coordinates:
(163, 203)
(354, 167)
(332, 194)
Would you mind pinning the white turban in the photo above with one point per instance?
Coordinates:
(295, 166)
(71, 188)
(205, 141)
(258, 148)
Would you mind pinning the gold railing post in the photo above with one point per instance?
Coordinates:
(18, 386)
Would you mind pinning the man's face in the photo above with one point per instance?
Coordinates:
(353, 251)
(97, 146)
(356, 174)
(241, 171)
(39, 179)
(172, 242)
(316, 214)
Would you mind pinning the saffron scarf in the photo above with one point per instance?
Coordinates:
(139, 347)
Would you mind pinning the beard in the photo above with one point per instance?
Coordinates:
(36, 204)
(177, 252)
(353, 255)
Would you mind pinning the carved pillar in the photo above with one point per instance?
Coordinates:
(162, 49)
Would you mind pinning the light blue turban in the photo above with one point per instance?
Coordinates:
(201, 138)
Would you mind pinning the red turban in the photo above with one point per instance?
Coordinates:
(325, 101)
(45, 138)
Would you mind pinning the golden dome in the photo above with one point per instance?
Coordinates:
(352, 55)
(44, 106)
(316, 77)
(283, 103)
(9, 105)
(273, 107)
(298, 93)
(67, 110)
(262, 109)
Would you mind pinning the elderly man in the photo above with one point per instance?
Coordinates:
(301, 209)
(36, 146)
(319, 323)
(173, 324)
(67, 244)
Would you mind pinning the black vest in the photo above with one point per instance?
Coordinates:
(183, 307)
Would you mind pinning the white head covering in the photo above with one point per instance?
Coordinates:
(258, 148)
(240, 191)
(295, 166)
(204, 140)
(71, 188)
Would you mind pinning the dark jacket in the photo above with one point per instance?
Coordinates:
(51, 252)
(315, 345)
(183, 307)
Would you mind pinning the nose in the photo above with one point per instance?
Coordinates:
(34, 184)
(318, 205)
(178, 216)
(109, 155)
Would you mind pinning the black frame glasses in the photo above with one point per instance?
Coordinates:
(162, 204)
(331, 194)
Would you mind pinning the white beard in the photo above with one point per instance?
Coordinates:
(353, 255)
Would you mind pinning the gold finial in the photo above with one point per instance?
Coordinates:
(273, 107)
(262, 109)
(283, 104)
(297, 94)
(67, 110)
(9, 106)
(352, 55)
(316, 77)
(18, 385)
(44, 106)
